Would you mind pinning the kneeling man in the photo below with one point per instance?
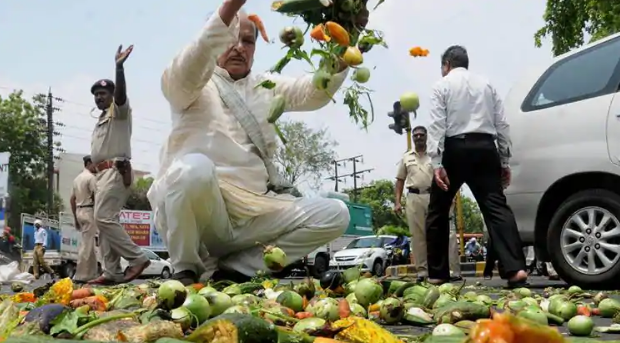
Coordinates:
(218, 192)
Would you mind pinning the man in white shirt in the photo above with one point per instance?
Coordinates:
(467, 117)
(218, 192)
(40, 244)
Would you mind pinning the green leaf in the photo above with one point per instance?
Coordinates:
(268, 84)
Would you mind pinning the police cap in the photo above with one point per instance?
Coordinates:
(103, 83)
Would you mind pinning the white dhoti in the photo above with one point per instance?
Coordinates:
(194, 222)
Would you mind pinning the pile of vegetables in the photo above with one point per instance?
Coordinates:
(340, 307)
(338, 29)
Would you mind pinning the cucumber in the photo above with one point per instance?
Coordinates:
(416, 321)
(399, 292)
(241, 328)
(296, 6)
(431, 295)
(415, 289)
(555, 320)
(461, 310)
(393, 286)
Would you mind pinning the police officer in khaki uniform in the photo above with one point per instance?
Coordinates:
(111, 154)
(415, 174)
(82, 205)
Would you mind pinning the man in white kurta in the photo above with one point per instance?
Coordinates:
(211, 198)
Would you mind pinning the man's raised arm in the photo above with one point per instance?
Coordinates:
(189, 72)
(301, 94)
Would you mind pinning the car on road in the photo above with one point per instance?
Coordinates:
(368, 252)
(565, 190)
(158, 267)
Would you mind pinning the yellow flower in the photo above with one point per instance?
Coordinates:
(62, 291)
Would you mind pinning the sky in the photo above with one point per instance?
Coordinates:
(68, 47)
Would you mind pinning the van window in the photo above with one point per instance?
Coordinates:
(588, 74)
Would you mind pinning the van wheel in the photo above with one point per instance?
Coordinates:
(584, 239)
(321, 265)
(68, 270)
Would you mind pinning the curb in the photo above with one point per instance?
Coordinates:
(468, 269)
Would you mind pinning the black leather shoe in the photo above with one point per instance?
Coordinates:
(230, 275)
(186, 277)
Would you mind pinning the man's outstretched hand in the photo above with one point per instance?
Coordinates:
(122, 55)
(441, 178)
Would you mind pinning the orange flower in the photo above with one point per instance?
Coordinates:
(24, 297)
(318, 33)
(62, 291)
(338, 33)
(418, 52)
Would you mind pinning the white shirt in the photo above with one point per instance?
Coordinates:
(463, 102)
(201, 123)
(40, 237)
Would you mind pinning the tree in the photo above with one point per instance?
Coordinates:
(23, 126)
(472, 218)
(379, 195)
(568, 22)
(307, 155)
(137, 199)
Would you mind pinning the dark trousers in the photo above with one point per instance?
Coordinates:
(472, 159)
(491, 260)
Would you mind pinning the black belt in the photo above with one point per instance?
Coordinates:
(412, 190)
(473, 136)
(85, 206)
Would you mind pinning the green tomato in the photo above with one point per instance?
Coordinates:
(361, 75)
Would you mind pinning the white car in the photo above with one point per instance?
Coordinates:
(367, 252)
(158, 267)
(565, 191)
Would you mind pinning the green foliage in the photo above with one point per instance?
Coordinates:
(472, 218)
(393, 230)
(379, 195)
(568, 22)
(23, 127)
(307, 155)
(137, 199)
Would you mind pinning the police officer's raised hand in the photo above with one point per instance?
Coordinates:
(122, 55)
(441, 179)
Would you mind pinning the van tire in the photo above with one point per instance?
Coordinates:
(592, 197)
(377, 268)
(321, 265)
(68, 270)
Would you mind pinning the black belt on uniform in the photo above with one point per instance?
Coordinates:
(412, 190)
(473, 136)
(85, 206)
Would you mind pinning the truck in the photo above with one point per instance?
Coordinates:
(62, 244)
(318, 260)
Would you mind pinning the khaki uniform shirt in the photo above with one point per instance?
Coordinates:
(112, 135)
(84, 187)
(416, 170)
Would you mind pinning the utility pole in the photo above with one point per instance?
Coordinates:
(355, 174)
(49, 109)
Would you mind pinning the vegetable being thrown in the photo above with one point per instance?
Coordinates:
(338, 31)
(274, 257)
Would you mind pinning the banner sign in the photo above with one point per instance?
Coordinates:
(141, 228)
(4, 173)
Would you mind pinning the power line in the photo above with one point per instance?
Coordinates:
(355, 174)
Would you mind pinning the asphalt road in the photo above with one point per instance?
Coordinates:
(492, 288)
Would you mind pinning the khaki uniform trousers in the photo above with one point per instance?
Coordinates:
(38, 261)
(416, 209)
(454, 251)
(87, 257)
(114, 241)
